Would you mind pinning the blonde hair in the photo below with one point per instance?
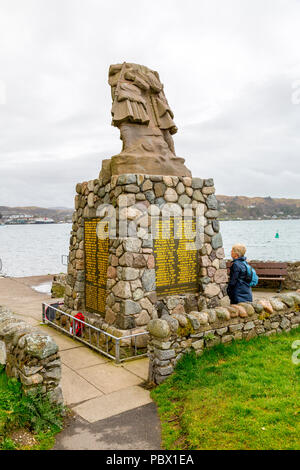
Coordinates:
(239, 249)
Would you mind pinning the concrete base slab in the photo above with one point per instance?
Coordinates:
(76, 389)
(138, 367)
(109, 377)
(81, 358)
(113, 404)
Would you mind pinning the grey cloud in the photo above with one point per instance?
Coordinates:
(227, 68)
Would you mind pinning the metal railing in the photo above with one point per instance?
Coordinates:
(94, 337)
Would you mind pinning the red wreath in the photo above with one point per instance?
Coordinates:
(78, 325)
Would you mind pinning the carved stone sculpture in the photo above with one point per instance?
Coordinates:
(142, 113)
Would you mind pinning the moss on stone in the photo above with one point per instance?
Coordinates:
(186, 330)
(57, 291)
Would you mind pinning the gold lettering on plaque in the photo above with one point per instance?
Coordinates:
(176, 257)
(96, 261)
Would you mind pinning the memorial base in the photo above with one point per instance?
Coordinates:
(125, 280)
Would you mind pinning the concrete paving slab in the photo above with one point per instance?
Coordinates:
(138, 367)
(80, 358)
(110, 405)
(75, 388)
(137, 429)
(109, 377)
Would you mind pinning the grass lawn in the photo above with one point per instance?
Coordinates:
(242, 396)
(26, 422)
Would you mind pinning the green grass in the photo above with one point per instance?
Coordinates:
(30, 414)
(242, 396)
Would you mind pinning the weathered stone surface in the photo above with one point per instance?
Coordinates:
(289, 301)
(40, 346)
(172, 322)
(126, 179)
(148, 280)
(35, 379)
(130, 274)
(198, 196)
(222, 331)
(223, 313)
(110, 316)
(122, 290)
(165, 370)
(130, 307)
(182, 320)
(266, 305)
(159, 328)
(195, 322)
(248, 307)
(257, 307)
(217, 241)
(220, 253)
(277, 304)
(212, 214)
(56, 395)
(285, 323)
(249, 325)
(237, 327)
(2, 353)
(221, 276)
(197, 183)
(132, 244)
(171, 195)
(198, 344)
(164, 355)
(159, 189)
(184, 200)
(202, 317)
(143, 318)
(211, 290)
(211, 202)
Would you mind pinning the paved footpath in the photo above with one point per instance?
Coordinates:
(112, 409)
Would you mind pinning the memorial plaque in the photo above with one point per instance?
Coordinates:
(96, 251)
(176, 256)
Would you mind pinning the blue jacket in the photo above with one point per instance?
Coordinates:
(238, 289)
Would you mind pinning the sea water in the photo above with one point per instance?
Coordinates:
(32, 250)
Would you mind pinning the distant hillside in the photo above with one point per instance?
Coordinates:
(60, 214)
(231, 208)
(242, 207)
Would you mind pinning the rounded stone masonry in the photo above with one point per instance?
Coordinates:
(30, 356)
(132, 264)
(177, 333)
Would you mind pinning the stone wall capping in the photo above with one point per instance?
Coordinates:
(199, 330)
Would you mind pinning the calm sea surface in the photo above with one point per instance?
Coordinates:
(31, 250)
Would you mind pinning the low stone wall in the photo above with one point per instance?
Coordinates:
(30, 356)
(173, 335)
(292, 281)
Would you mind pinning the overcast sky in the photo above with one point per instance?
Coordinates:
(231, 71)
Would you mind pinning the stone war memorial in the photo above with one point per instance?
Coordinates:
(145, 242)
